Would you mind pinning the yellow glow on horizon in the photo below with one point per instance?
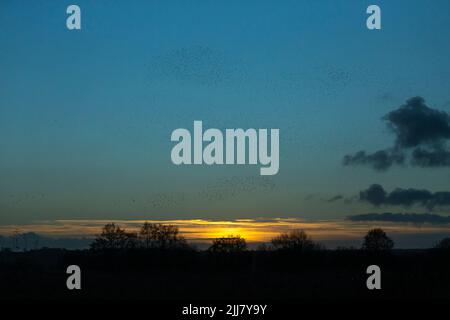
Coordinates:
(252, 230)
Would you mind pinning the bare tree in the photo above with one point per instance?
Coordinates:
(114, 238)
(228, 244)
(444, 244)
(16, 239)
(377, 240)
(156, 235)
(295, 240)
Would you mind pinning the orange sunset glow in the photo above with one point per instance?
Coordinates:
(253, 230)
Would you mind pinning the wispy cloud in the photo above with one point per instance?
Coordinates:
(377, 196)
(402, 217)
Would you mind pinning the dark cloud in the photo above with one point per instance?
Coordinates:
(416, 124)
(380, 160)
(377, 196)
(437, 157)
(421, 133)
(409, 197)
(402, 217)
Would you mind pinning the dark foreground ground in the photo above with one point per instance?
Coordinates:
(187, 275)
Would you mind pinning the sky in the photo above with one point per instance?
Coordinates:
(86, 115)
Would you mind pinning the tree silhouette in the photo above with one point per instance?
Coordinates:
(159, 236)
(377, 240)
(295, 240)
(114, 238)
(444, 244)
(228, 244)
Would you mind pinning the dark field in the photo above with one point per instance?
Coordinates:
(193, 275)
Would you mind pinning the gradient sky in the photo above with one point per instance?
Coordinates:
(86, 116)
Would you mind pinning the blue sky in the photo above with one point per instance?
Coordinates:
(86, 116)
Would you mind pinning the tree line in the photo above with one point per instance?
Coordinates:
(165, 237)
